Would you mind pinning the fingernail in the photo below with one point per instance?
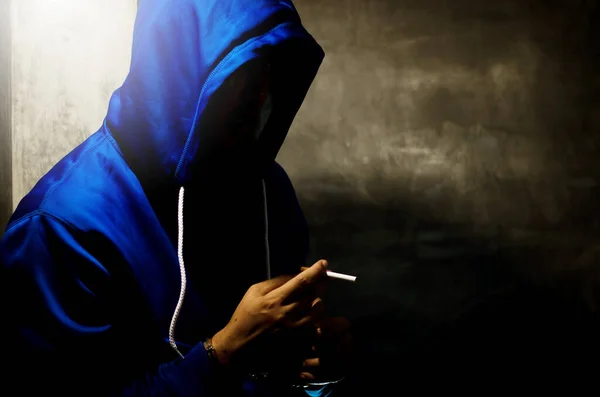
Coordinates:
(325, 264)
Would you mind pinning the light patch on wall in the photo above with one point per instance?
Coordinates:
(68, 58)
(453, 138)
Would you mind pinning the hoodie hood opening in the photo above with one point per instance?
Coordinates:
(163, 115)
(287, 88)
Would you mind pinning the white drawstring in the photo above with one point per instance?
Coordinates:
(183, 276)
(182, 264)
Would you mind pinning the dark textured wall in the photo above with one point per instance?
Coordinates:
(5, 117)
(448, 154)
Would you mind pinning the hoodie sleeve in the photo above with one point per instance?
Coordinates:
(64, 336)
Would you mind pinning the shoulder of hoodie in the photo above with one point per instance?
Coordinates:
(279, 182)
(79, 188)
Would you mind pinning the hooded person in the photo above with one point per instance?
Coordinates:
(110, 298)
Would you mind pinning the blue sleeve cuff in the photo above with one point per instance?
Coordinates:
(196, 375)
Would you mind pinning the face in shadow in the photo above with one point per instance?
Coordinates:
(231, 130)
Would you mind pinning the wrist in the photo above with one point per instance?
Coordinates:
(223, 347)
(225, 374)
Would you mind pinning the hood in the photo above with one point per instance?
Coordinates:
(189, 59)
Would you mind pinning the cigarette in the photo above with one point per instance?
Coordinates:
(339, 276)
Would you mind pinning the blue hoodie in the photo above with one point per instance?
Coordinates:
(102, 293)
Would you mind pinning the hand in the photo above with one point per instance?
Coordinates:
(333, 352)
(268, 308)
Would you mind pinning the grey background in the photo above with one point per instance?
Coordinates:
(447, 154)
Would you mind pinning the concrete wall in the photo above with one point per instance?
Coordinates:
(448, 155)
(5, 117)
(465, 107)
(68, 58)
(475, 114)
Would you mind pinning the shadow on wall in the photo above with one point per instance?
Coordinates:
(437, 302)
(448, 155)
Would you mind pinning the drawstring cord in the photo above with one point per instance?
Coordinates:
(183, 276)
(182, 264)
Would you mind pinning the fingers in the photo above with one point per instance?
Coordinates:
(310, 309)
(310, 369)
(321, 285)
(306, 320)
(307, 376)
(267, 286)
(318, 310)
(334, 326)
(335, 337)
(311, 364)
(302, 280)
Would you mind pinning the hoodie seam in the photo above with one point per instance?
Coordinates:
(42, 213)
(71, 170)
(207, 82)
(109, 137)
(283, 3)
(40, 209)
